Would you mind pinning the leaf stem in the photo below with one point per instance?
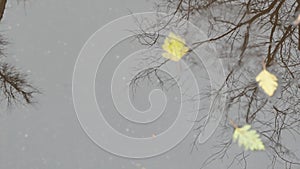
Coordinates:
(264, 65)
(233, 123)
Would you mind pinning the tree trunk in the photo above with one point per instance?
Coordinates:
(2, 8)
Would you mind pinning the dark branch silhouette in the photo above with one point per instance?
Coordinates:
(248, 33)
(14, 85)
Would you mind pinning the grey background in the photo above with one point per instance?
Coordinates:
(46, 37)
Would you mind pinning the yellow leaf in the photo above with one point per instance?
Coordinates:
(267, 81)
(248, 138)
(175, 47)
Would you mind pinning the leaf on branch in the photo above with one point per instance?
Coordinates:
(267, 81)
(248, 138)
(175, 47)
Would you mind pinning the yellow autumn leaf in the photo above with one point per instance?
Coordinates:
(267, 81)
(248, 138)
(175, 47)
